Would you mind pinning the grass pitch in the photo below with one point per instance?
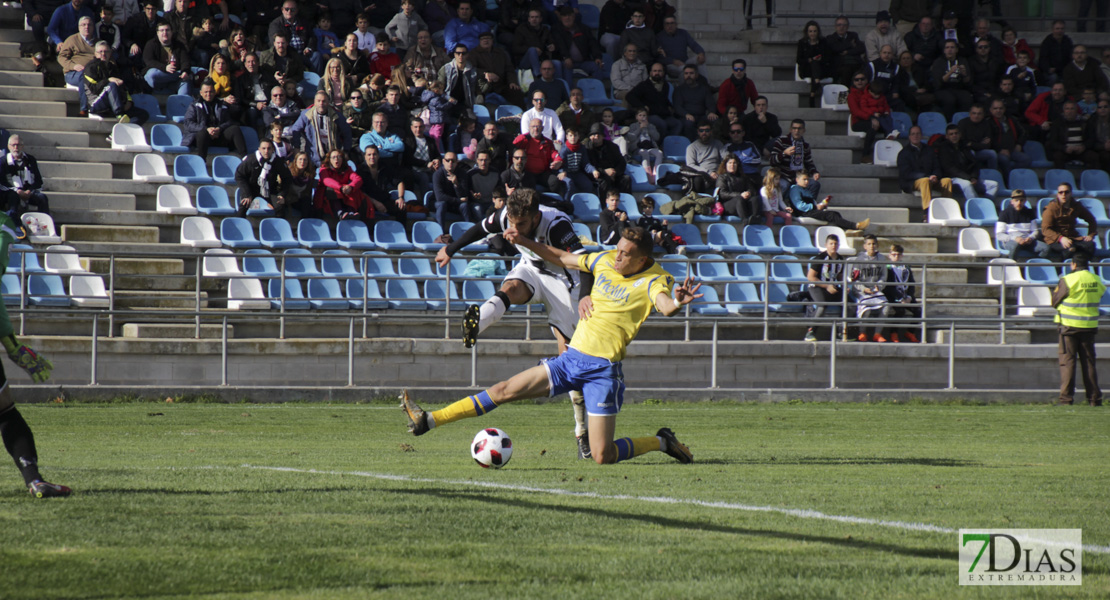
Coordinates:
(164, 506)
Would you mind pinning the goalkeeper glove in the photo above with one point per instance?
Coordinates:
(38, 367)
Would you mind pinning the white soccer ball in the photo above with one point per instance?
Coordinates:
(491, 448)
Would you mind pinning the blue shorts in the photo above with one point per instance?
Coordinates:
(601, 381)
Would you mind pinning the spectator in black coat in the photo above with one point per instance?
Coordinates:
(848, 51)
(263, 175)
(919, 170)
(21, 181)
(654, 93)
(606, 157)
(924, 42)
(761, 127)
(452, 195)
(1055, 53)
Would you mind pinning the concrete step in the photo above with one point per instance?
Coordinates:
(44, 138)
(911, 244)
(62, 123)
(79, 154)
(833, 156)
(63, 204)
(719, 46)
(148, 299)
(877, 199)
(906, 228)
(108, 186)
(29, 78)
(843, 186)
(137, 267)
(37, 94)
(983, 309)
(11, 49)
(16, 35)
(941, 275)
(166, 331)
(127, 217)
(108, 233)
(811, 114)
(15, 63)
(981, 336)
(162, 248)
(84, 170)
(32, 108)
(891, 219)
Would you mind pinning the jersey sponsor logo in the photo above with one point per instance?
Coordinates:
(611, 290)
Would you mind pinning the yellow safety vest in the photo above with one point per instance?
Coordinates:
(1080, 308)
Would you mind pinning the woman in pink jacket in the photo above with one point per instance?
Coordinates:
(339, 193)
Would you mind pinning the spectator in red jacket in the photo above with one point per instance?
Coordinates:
(340, 191)
(1046, 108)
(543, 160)
(870, 112)
(737, 90)
(1011, 45)
(384, 59)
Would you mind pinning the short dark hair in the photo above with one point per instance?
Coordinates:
(832, 236)
(1080, 261)
(740, 61)
(801, 122)
(640, 237)
(951, 126)
(871, 236)
(523, 202)
(897, 248)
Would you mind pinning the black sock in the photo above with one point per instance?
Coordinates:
(20, 443)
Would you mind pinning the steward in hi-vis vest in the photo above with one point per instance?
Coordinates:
(1076, 300)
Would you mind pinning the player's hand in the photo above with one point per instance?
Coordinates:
(442, 258)
(686, 293)
(512, 235)
(38, 367)
(585, 308)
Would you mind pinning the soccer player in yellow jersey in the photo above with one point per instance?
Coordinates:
(628, 283)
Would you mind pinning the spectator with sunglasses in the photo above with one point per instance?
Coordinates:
(737, 90)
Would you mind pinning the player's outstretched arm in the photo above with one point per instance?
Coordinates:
(548, 253)
(683, 295)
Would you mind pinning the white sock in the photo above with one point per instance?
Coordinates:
(490, 312)
(662, 444)
(578, 403)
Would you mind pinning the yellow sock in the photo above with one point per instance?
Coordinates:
(471, 406)
(631, 447)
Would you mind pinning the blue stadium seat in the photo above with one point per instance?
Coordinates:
(223, 168)
(190, 168)
(980, 212)
(22, 258)
(629, 205)
(294, 295)
(413, 264)
(258, 206)
(662, 170)
(458, 228)
(390, 235)
(402, 294)
(435, 294)
(326, 294)
(742, 298)
(1097, 209)
(176, 105)
(507, 110)
(931, 123)
(587, 207)
(298, 262)
(994, 175)
(777, 301)
(476, 291)
(482, 114)
(591, 15)
(456, 265)
(750, 268)
(583, 232)
(788, 269)
(713, 271)
(373, 295)
(902, 122)
(354, 235)
(1095, 183)
(424, 234)
(1103, 269)
(150, 105)
(722, 237)
(11, 288)
(679, 267)
(639, 179)
(1036, 153)
(338, 263)
(378, 265)
(212, 200)
(796, 239)
(1041, 205)
(674, 148)
(46, 289)
(1038, 271)
(691, 235)
(260, 263)
(250, 136)
(709, 305)
(1026, 179)
(166, 138)
(959, 116)
(315, 234)
(276, 233)
(760, 238)
(236, 232)
(593, 92)
(1054, 177)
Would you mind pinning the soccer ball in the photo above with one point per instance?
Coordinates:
(491, 448)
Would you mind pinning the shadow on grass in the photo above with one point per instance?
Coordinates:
(185, 492)
(857, 460)
(692, 525)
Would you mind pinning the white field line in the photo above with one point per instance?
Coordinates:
(793, 512)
